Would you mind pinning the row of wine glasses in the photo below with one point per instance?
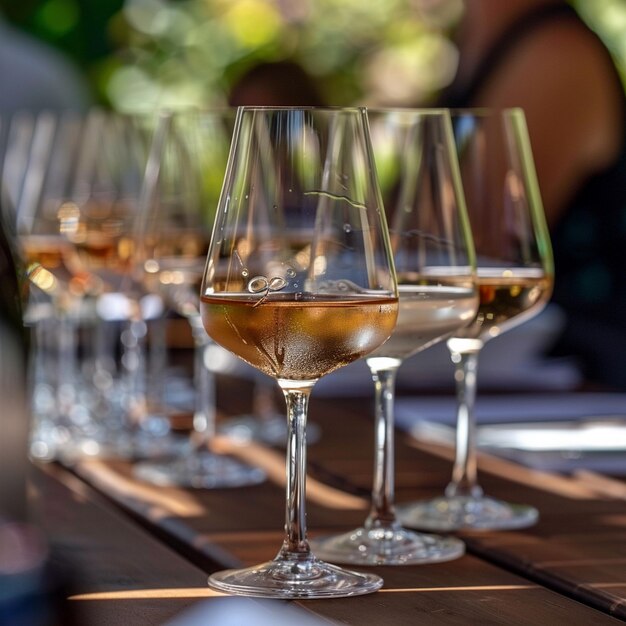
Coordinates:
(302, 276)
(107, 251)
(112, 216)
(74, 183)
(299, 281)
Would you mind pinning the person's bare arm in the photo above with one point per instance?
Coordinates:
(561, 79)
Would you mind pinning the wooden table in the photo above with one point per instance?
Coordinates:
(142, 553)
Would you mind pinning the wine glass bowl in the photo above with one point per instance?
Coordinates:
(434, 261)
(514, 276)
(299, 281)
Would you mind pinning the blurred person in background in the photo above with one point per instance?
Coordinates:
(539, 55)
(279, 83)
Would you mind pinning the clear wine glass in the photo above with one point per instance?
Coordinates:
(434, 259)
(75, 214)
(64, 198)
(515, 277)
(184, 176)
(299, 281)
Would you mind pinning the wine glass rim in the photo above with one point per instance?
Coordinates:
(410, 110)
(486, 111)
(302, 108)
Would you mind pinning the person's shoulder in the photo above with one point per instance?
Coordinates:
(569, 56)
(562, 65)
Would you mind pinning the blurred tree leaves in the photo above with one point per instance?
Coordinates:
(137, 54)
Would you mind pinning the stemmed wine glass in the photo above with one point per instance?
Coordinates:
(183, 179)
(515, 277)
(75, 214)
(80, 179)
(434, 259)
(299, 281)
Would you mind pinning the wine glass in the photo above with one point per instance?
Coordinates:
(75, 212)
(434, 259)
(299, 281)
(184, 175)
(64, 198)
(515, 277)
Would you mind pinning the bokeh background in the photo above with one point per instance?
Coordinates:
(139, 54)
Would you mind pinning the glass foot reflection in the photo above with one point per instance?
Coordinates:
(467, 513)
(200, 470)
(387, 546)
(291, 577)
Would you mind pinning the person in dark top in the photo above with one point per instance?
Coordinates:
(539, 55)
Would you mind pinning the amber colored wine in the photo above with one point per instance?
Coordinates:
(426, 314)
(508, 297)
(99, 253)
(298, 339)
(50, 252)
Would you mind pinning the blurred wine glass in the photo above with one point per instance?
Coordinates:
(299, 282)
(75, 205)
(184, 175)
(515, 277)
(434, 259)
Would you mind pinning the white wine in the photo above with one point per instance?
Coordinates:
(508, 297)
(298, 337)
(426, 314)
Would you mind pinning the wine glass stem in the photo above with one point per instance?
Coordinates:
(464, 473)
(297, 399)
(133, 359)
(204, 409)
(67, 363)
(382, 513)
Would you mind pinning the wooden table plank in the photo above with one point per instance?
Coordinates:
(577, 548)
(228, 527)
(119, 574)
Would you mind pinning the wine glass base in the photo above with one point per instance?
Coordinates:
(467, 513)
(391, 546)
(69, 446)
(200, 470)
(292, 578)
(271, 431)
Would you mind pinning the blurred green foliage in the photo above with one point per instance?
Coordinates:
(138, 54)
